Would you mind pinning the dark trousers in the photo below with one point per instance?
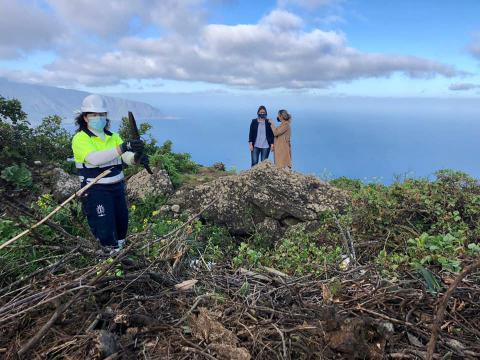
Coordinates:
(106, 209)
(259, 153)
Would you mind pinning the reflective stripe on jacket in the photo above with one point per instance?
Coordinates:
(85, 142)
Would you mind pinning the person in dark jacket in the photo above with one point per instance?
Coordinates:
(260, 138)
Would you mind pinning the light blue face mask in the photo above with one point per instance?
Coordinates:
(97, 123)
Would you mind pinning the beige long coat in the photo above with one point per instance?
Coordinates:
(283, 148)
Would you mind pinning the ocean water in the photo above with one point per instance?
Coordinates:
(378, 142)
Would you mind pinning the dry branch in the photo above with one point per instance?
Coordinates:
(58, 208)
(440, 314)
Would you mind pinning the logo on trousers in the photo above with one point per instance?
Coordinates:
(100, 210)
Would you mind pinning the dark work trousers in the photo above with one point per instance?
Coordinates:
(106, 209)
(259, 153)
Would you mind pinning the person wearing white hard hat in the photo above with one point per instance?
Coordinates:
(95, 150)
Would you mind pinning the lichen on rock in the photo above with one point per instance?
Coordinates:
(142, 184)
(242, 202)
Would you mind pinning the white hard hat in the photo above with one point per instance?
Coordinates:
(93, 103)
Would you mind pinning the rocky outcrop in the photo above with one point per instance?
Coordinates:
(63, 184)
(142, 184)
(263, 197)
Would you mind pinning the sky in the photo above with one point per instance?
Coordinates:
(378, 48)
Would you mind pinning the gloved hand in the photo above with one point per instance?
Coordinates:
(141, 159)
(136, 146)
(145, 161)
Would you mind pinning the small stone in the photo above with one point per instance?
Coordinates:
(175, 208)
(37, 162)
(219, 166)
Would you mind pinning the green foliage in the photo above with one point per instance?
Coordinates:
(19, 176)
(393, 214)
(144, 212)
(215, 243)
(21, 143)
(244, 290)
(117, 270)
(391, 262)
(143, 129)
(69, 217)
(177, 165)
(7, 230)
(28, 251)
(433, 285)
(473, 249)
(52, 139)
(12, 110)
(442, 250)
(14, 132)
(300, 253)
(345, 183)
(247, 256)
(437, 249)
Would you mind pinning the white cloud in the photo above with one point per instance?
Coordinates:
(275, 52)
(463, 86)
(106, 17)
(282, 20)
(110, 18)
(25, 28)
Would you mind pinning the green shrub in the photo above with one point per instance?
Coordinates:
(51, 140)
(300, 253)
(214, 243)
(443, 250)
(7, 230)
(22, 143)
(19, 176)
(177, 165)
(393, 214)
(247, 256)
(144, 211)
(70, 217)
(345, 183)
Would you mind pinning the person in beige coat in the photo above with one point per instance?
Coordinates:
(282, 133)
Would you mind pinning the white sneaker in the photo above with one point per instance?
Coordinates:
(121, 244)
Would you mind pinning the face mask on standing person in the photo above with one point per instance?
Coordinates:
(97, 122)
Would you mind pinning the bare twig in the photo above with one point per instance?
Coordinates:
(58, 208)
(348, 241)
(440, 314)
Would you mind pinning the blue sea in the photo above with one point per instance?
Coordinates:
(362, 140)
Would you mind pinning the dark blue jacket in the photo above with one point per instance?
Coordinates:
(252, 136)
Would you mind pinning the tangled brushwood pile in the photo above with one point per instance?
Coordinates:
(191, 286)
(134, 306)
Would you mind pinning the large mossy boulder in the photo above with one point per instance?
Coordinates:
(264, 196)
